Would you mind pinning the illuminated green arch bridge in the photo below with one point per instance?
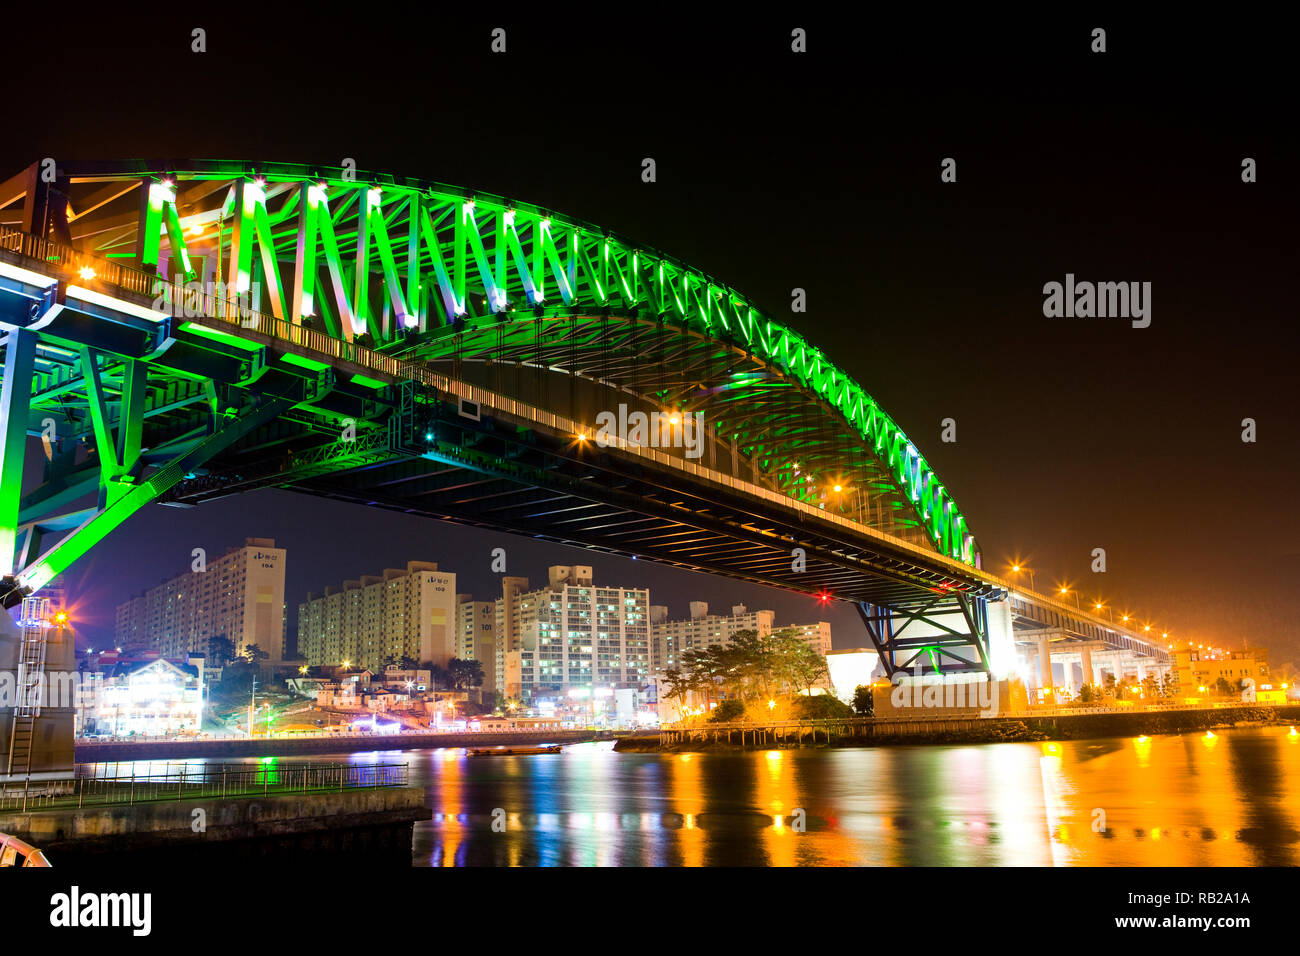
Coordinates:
(177, 331)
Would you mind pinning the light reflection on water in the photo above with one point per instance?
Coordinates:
(1225, 799)
(1190, 800)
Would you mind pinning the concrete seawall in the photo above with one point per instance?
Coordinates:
(955, 730)
(369, 820)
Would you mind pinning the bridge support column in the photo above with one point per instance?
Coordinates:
(1117, 666)
(1067, 675)
(1085, 664)
(1045, 663)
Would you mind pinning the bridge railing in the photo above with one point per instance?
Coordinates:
(93, 786)
(12, 850)
(818, 722)
(1139, 708)
(377, 736)
(75, 261)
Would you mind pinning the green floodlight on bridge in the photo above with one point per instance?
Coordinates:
(435, 254)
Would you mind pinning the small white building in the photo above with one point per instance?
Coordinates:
(151, 698)
(415, 680)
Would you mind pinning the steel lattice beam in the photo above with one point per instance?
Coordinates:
(388, 258)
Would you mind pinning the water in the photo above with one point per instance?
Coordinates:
(1191, 800)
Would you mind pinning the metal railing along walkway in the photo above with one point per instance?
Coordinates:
(466, 735)
(93, 788)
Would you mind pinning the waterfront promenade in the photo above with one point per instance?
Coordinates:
(291, 745)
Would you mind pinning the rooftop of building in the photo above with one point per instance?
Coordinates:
(127, 668)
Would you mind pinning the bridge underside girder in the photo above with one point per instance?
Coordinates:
(131, 410)
(494, 474)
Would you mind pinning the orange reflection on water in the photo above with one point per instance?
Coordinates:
(1179, 800)
(687, 799)
(775, 795)
(449, 769)
(1190, 800)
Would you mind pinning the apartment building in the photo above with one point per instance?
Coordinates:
(379, 619)
(238, 596)
(571, 635)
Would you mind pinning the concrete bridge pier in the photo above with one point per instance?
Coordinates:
(1088, 676)
(1067, 674)
(1044, 662)
(1118, 659)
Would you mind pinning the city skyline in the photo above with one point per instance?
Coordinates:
(675, 588)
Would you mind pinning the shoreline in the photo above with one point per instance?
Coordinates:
(1020, 729)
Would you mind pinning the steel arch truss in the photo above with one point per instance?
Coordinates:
(401, 263)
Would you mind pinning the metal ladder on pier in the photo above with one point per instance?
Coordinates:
(34, 622)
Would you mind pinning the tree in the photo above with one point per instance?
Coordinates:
(1224, 687)
(728, 710)
(677, 684)
(221, 650)
(799, 664)
(821, 707)
(748, 668)
(864, 701)
(438, 677)
(459, 674)
(464, 674)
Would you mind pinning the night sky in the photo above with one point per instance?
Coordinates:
(819, 171)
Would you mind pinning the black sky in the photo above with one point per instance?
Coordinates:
(818, 171)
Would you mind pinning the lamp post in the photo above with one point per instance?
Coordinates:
(252, 701)
(1016, 569)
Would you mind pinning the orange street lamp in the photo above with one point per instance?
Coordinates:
(1018, 567)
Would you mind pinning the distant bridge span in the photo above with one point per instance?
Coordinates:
(179, 331)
